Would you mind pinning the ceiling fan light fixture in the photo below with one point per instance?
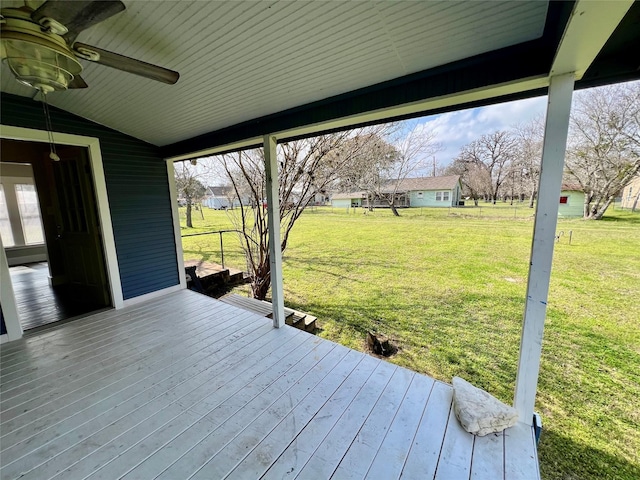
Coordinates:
(39, 59)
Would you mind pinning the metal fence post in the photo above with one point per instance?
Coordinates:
(221, 249)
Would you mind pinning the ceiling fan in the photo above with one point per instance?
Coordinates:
(40, 45)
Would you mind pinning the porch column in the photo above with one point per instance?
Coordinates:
(273, 224)
(544, 230)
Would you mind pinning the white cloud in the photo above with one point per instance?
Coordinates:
(456, 129)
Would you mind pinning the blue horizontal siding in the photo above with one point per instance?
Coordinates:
(138, 191)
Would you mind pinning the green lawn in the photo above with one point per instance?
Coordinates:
(449, 287)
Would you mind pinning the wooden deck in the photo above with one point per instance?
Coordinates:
(190, 387)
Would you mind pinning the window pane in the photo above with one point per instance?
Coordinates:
(5, 223)
(29, 214)
(438, 196)
(445, 196)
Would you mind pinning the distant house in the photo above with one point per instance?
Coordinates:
(346, 200)
(410, 192)
(571, 201)
(432, 191)
(631, 194)
(220, 198)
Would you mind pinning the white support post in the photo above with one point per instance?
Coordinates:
(544, 231)
(273, 224)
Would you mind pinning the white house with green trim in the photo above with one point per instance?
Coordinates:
(411, 192)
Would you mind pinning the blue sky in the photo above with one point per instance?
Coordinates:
(456, 129)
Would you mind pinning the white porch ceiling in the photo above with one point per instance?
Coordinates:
(241, 60)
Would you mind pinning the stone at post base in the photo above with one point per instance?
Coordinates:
(479, 412)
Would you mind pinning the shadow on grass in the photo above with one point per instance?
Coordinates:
(563, 458)
(627, 218)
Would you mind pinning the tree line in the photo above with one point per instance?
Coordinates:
(603, 153)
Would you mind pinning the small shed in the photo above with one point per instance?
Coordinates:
(571, 201)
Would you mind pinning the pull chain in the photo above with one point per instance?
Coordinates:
(53, 155)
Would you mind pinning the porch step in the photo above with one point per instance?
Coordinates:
(212, 276)
(293, 318)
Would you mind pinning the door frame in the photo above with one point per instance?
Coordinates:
(92, 144)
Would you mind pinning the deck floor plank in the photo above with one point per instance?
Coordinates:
(185, 386)
(325, 447)
(119, 435)
(70, 416)
(324, 359)
(427, 444)
(104, 412)
(76, 332)
(239, 387)
(176, 440)
(397, 442)
(520, 455)
(456, 453)
(297, 408)
(365, 446)
(134, 377)
(484, 450)
(308, 426)
(110, 361)
(55, 360)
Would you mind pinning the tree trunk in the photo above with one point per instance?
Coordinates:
(189, 222)
(603, 208)
(261, 281)
(532, 198)
(587, 206)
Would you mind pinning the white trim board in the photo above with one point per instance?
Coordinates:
(173, 194)
(8, 299)
(95, 156)
(152, 295)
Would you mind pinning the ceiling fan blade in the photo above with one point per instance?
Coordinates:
(127, 64)
(77, 82)
(77, 15)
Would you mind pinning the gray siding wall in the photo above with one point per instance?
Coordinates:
(138, 190)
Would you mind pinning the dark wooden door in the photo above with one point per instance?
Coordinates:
(78, 230)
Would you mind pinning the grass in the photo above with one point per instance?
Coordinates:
(449, 287)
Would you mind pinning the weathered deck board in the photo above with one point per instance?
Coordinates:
(186, 386)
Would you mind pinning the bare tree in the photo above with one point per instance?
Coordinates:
(529, 138)
(474, 177)
(306, 167)
(389, 155)
(603, 154)
(485, 163)
(372, 158)
(414, 152)
(190, 189)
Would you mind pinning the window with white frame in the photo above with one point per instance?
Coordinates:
(20, 219)
(443, 196)
(419, 194)
(29, 214)
(5, 221)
